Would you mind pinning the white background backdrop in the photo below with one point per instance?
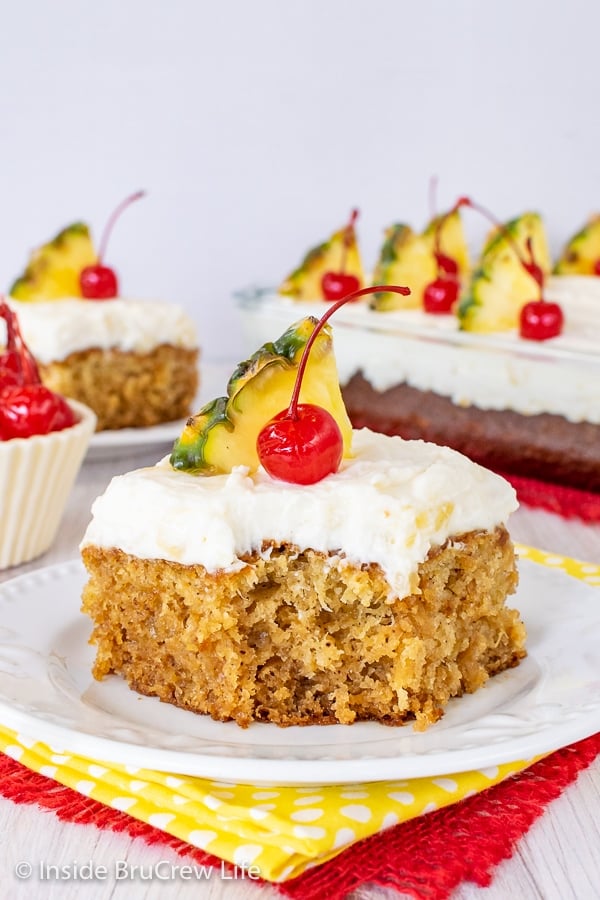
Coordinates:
(255, 126)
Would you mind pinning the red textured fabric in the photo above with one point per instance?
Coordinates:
(568, 502)
(426, 858)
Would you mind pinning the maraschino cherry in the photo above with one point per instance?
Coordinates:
(303, 443)
(27, 407)
(337, 285)
(99, 282)
(26, 410)
(17, 361)
(442, 293)
(539, 319)
(597, 267)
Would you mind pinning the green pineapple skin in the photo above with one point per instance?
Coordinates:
(395, 236)
(188, 453)
(469, 303)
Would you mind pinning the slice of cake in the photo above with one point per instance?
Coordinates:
(135, 363)
(377, 592)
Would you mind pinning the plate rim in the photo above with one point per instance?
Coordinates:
(103, 443)
(244, 769)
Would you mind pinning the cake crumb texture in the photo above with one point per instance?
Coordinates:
(300, 638)
(128, 389)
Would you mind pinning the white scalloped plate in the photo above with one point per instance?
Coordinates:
(47, 693)
(106, 445)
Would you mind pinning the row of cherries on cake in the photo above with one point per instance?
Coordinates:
(539, 318)
(303, 443)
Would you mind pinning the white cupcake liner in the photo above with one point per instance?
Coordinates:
(36, 477)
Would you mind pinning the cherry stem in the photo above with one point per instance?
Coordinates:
(348, 235)
(28, 368)
(532, 262)
(292, 412)
(113, 218)
(465, 201)
(462, 201)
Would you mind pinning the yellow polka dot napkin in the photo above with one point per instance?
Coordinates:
(278, 830)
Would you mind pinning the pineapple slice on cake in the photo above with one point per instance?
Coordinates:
(501, 285)
(409, 258)
(53, 270)
(581, 255)
(337, 261)
(69, 266)
(224, 433)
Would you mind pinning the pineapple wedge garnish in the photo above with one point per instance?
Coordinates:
(53, 270)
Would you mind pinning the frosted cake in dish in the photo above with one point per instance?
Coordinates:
(377, 592)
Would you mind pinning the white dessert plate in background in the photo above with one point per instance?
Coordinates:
(47, 693)
(106, 445)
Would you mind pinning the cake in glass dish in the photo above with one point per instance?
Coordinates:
(454, 364)
(282, 567)
(134, 362)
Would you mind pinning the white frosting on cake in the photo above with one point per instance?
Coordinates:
(54, 329)
(389, 504)
(491, 371)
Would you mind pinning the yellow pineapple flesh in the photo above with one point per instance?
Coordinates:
(339, 253)
(224, 433)
(53, 270)
(581, 255)
(500, 285)
(409, 258)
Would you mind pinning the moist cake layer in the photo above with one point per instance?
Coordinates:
(293, 638)
(128, 389)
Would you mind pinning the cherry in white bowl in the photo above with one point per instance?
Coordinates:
(36, 477)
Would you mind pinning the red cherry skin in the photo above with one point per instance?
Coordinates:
(597, 267)
(21, 364)
(17, 356)
(336, 285)
(10, 360)
(535, 271)
(98, 283)
(540, 320)
(8, 379)
(301, 450)
(33, 409)
(446, 265)
(441, 295)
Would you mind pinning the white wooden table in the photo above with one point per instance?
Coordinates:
(558, 860)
